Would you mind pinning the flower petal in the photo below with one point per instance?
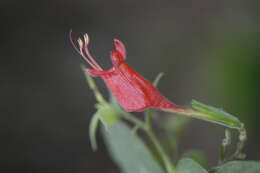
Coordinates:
(120, 48)
(94, 72)
(116, 57)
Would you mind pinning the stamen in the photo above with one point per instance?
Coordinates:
(86, 39)
(73, 44)
(80, 42)
(80, 51)
(81, 45)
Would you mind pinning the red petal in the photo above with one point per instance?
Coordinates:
(133, 92)
(128, 93)
(116, 57)
(94, 72)
(120, 48)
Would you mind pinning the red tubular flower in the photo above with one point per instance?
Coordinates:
(132, 91)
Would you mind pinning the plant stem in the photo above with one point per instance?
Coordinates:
(93, 87)
(148, 118)
(134, 120)
(240, 144)
(166, 160)
(223, 149)
(170, 168)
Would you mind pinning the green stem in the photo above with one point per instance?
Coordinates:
(134, 120)
(223, 149)
(242, 139)
(148, 118)
(94, 88)
(166, 160)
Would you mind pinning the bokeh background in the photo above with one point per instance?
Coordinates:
(209, 51)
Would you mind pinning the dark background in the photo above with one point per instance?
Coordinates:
(209, 51)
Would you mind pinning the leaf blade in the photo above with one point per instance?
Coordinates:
(187, 165)
(238, 167)
(128, 150)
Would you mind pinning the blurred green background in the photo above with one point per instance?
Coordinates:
(209, 51)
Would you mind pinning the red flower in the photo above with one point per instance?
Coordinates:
(132, 91)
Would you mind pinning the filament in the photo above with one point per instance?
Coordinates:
(91, 62)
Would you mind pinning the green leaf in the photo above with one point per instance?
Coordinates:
(108, 114)
(238, 167)
(189, 166)
(197, 156)
(215, 115)
(128, 150)
(92, 131)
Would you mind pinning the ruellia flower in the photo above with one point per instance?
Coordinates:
(132, 91)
